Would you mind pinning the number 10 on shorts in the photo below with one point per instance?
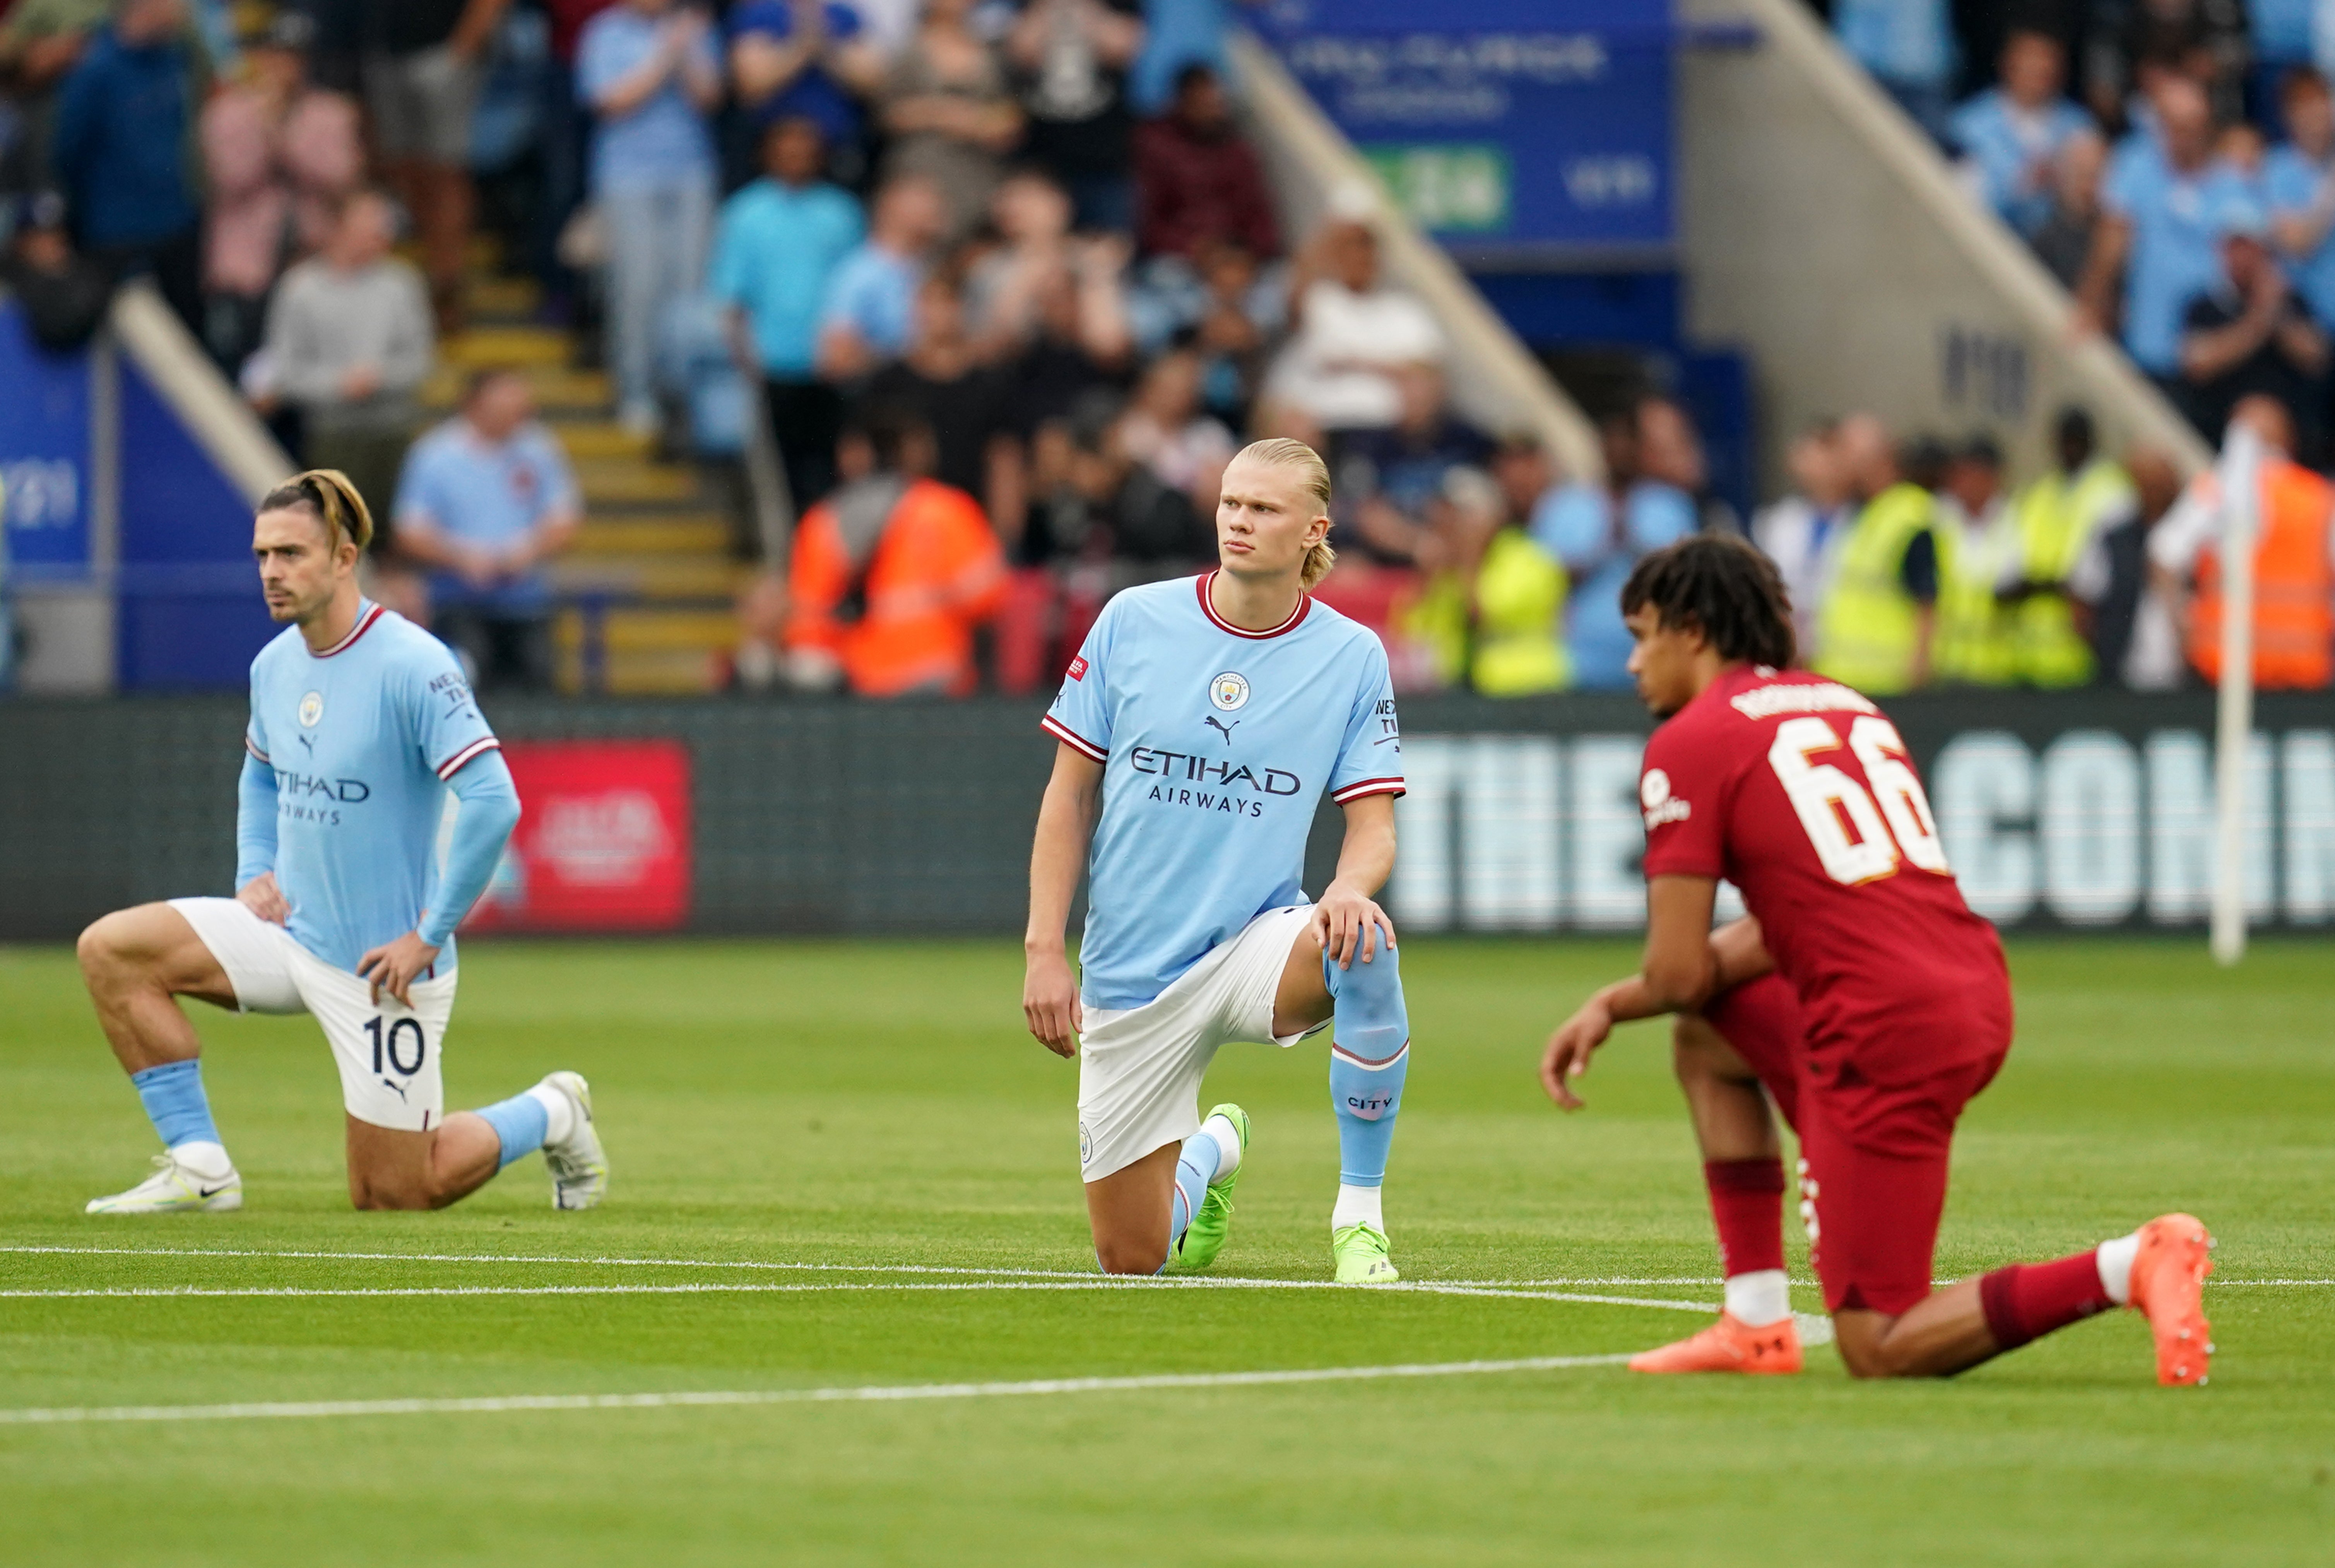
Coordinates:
(388, 1045)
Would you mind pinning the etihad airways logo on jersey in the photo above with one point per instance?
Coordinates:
(308, 797)
(1228, 785)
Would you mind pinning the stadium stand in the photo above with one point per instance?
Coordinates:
(1093, 258)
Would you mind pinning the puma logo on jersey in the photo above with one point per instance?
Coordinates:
(1215, 723)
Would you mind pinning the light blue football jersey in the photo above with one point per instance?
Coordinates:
(1216, 745)
(362, 738)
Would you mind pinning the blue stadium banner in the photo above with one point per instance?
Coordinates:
(1514, 130)
(43, 455)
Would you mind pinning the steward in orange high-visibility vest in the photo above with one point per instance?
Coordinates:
(2295, 581)
(891, 573)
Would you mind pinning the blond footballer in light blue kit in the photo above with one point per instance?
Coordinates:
(1197, 730)
(362, 724)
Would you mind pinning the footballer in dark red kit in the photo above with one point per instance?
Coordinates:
(1861, 1000)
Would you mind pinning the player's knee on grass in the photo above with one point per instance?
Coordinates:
(392, 1169)
(1120, 1257)
(1863, 1340)
(381, 1192)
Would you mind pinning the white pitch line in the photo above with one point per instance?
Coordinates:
(1091, 1282)
(511, 1258)
(492, 1404)
(1705, 1281)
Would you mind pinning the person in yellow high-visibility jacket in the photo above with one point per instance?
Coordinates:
(2057, 518)
(1977, 628)
(1879, 617)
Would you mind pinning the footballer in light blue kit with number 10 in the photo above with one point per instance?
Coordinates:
(1201, 725)
(361, 724)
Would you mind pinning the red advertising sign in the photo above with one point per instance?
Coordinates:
(603, 841)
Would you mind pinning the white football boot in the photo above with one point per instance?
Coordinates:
(174, 1188)
(578, 1165)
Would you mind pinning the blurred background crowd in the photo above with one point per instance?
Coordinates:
(996, 287)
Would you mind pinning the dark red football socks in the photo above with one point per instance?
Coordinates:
(2027, 1301)
(1747, 1199)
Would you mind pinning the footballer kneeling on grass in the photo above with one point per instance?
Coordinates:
(1862, 998)
(361, 724)
(1199, 728)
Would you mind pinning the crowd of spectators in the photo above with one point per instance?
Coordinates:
(1008, 286)
(1911, 564)
(2172, 163)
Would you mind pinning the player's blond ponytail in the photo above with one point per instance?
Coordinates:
(328, 493)
(1315, 474)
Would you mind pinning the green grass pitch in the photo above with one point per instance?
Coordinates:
(864, 1104)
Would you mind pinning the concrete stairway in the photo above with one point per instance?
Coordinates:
(647, 596)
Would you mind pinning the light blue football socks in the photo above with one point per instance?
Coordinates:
(176, 1104)
(1195, 1167)
(1370, 1055)
(521, 1122)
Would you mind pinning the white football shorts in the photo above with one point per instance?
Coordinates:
(387, 1053)
(1139, 1068)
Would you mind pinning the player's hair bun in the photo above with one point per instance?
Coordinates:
(328, 493)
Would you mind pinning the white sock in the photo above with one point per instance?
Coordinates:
(1357, 1206)
(1228, 1140)
(203, 1157)
(1759, 1298)
(2115, 1259)
(559, 1114)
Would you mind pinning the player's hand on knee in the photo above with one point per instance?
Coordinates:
(265, 899)
(1049, 1003)
(1570, 1049)
(396, 967)
(1349, 925)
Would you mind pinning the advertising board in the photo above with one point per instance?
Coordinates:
(2088, 827)
(604, 843)
(1508, 129)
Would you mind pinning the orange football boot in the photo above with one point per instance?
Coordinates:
(2168, 1287)
(1728, 1345)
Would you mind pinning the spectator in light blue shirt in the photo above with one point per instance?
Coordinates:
(2299, 185)
(2010, 136)
(1600, 533)
(2280, 32)
(871, 300)
(485, 500)
(650, 72)
(1176, 34)
(1908, 47)
(2158, 226)
(779, 243)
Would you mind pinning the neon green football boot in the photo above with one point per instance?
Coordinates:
(1203, 1237)
(1359, 1251)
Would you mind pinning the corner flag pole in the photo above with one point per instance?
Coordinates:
(2234, 711)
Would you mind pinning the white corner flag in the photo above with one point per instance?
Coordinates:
(2240, 478)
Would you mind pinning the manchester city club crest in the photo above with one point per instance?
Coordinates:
(312, 708)
(1229, 691)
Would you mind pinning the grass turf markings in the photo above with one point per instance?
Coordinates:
(494, 1405)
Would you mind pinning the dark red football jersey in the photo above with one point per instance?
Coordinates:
(1798, 790)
